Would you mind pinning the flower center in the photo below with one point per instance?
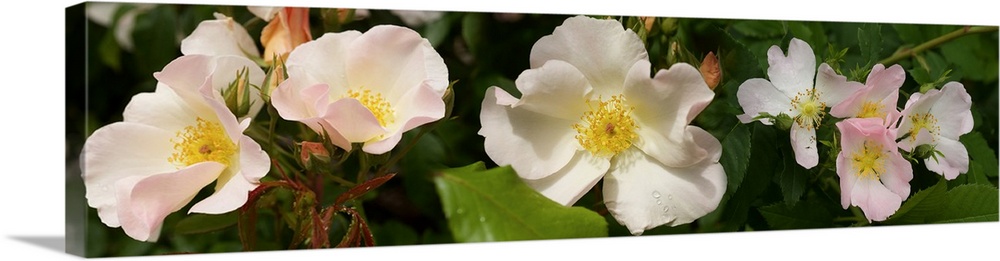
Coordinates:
(205, 141)
(923, 121)
(376, 104)
(869, 162)
(608, 128)
(811, 109)
(871, 110)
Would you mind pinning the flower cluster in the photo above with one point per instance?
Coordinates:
(874, 175)
(352, 87)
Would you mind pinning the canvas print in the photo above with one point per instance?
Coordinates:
(208, 129)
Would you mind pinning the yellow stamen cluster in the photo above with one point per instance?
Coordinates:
(376, 104)
(205, 141)
(608, 128)
(811, 109)
(872, 110)
(869, 162)
(923, 121)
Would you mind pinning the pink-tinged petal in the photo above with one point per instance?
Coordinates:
(643, 194)
(535, 145)
(793, 73)
(221, 36)
(898, 174)
(121, 150)
(567, 185)
(162, 108)
(848, 178)
(758, 96)
(554, 80)
(232, 192)
(147, 201)
(296, 101)
(601, 49)
(353, 120)
(265, 12)
(952, 111)
(881, 87)
(223, 73)
(419, 106)
(885, 81)
(225, 117)
(875, 200)
(664, 106)
(832, 87)
(186, 75)
(804, 146)
(323, 61)
(954, 161)
(392, 60)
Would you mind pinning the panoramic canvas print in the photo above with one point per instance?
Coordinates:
(207, 129)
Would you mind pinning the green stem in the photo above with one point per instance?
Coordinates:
(906, 53)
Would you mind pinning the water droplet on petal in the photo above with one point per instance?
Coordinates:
(670, 196)
(656, 194)
(667, 208)
(659, 202)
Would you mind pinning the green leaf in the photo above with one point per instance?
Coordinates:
(983, 157)
(436, 32)
(495, 205)
(736, 155)
(759, 28)
(870, 44)
(472, 30)
(924, 203)
(968, 54)
(793, 177)
(758, 177)
(155, 37)
(109, 51)
(201, 223)
(805, 214)
(968, 203)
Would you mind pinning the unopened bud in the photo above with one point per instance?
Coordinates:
(647, 22)
(313, 151)
(237, 96)
(275, 76)
(783, 121)
(711, 71)
(926, 151)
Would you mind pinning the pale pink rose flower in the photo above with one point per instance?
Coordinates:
(589, 110)
(873, 175)
(791, 91)
(939, 118)
(877, 99)
(170, 145)
(364, 88)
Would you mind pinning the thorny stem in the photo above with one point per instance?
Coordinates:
(906, 53)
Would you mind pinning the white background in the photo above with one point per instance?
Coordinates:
(32, 96)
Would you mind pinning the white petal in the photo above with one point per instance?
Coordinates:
(118, 151)
(601, 49)
(163, 109)
(804, 146)
(222, 36)
(758, 96)
(952, 111)
(643, 194)
(572, 181)
(898, 173)
(264, 12)
(877, 202)
(419, 106)
(663, 108)
(792, 74)
(224, 72)
(954, 161)
(535, 145)
(832, 87)
(323, 61)
(392, 60)
(553, 81)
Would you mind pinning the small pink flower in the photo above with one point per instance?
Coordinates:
(873, 175)
(938, 118)
(364, 88)
(877, 99)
